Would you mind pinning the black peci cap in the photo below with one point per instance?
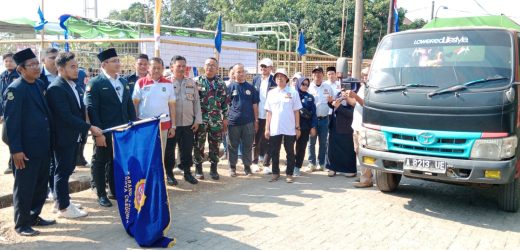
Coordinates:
(317, 68)
(107, 54)
(23, 55)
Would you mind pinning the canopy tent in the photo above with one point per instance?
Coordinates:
(479, 21)
(90, 28)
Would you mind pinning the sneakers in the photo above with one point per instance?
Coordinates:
(320, 168)
(310, 167)
(55, 207)
(232, 173)
(255, 168)
(363, 185)
(331, 173)
(350, 175)
(289, 179)
(72, 212)
(8, 171)
(267, 170)
(297, 171)
(171, 181)
(177, 170)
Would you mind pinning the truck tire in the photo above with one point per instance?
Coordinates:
(387, 182)
(509, 196)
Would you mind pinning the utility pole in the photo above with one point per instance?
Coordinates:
(433, 7)
(342, 39)
(390, 25)
(358, 40)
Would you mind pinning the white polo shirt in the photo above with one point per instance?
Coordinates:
(264, 85)
(282, 103)
(321, 94)
(154, 97)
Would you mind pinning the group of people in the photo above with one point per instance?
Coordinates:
(253, 120)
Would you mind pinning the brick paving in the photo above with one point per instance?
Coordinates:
(315, 212)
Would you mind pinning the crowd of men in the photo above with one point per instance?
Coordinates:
(48, 111)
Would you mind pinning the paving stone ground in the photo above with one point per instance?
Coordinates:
(315, 212)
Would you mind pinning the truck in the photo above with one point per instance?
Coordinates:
(441, 104)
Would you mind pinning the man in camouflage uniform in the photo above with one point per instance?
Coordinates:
(214, 106)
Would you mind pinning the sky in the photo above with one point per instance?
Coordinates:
(416, 8)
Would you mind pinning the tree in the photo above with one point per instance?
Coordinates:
(321, 20)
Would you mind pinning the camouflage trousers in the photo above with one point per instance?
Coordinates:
(214, 139)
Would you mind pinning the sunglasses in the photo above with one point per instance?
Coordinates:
(305, 85)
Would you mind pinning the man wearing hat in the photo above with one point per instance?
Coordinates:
(283, 123)
(109, 103)
(263, 83)
(29, 145)
(332, 80)
(323, 94)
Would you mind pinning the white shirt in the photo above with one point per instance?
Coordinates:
(154, 97)
(73, 86)
(118, 86)
(282, 103)
(50, 77)
(321, 94)
(264, 85)
(357, 119)
(336, 88)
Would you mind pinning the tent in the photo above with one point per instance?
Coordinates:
(476, 21)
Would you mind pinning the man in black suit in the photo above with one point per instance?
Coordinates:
(109, 103)
(262, 83)
(68, 112)
(28, 134)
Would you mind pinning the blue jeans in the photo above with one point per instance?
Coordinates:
(321, 134)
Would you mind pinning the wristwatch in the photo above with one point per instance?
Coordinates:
(174, 127)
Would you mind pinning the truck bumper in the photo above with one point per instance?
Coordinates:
(459, 170)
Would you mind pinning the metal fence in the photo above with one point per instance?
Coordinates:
(129, 49)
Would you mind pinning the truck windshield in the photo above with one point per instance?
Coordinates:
(443, 59)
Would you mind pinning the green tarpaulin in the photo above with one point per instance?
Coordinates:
(476, 21)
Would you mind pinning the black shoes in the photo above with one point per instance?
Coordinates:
(171, 181)
(104, 201)
(198, 172)
(189, 178)
(27, 231)
(213, 172)
(112, 197)
(42, 222)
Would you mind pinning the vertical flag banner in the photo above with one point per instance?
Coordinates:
(140, 187)
(157, 27)
(396, 16)
(218, 35)
(301, 44)
(41, 24)
(63, 19)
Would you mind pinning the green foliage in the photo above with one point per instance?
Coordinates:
(320, 19)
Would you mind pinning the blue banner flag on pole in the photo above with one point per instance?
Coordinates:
(140, 187)
(63, 19)
(396, 16)
(301, 44)
(42, 22)
(218, 35)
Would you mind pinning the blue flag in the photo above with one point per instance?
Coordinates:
(42, 22)
(301, 44)
(195, 71)
(63, 19)
(396, 17)
(140, 190)
(218, 35)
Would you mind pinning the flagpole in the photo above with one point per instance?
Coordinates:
(130, 124)
(42, 34)
(157, 28)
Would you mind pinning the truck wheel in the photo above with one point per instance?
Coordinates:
(387, 182)
(509, 196)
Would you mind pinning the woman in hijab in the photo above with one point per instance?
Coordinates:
(341, 155)
(308, 121)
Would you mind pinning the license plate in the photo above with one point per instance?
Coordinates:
(425, 165)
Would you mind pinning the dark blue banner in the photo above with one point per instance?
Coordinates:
(140, 187)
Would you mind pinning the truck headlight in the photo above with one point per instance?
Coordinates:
(373, 139)
(494, 149)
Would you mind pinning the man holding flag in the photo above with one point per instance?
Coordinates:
(109, 103)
